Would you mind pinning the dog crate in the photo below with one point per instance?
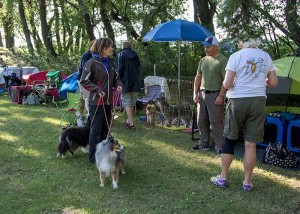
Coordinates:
(293, 136)
(275, 131)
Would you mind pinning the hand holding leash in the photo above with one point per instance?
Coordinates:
(102, 94)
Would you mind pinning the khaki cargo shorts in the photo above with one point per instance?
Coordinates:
(247, 114)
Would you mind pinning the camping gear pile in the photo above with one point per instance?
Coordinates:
(28, 85)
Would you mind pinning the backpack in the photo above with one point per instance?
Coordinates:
(33, 99)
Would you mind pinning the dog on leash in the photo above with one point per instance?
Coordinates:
(151, 114)
(71, 139)
(110, 160)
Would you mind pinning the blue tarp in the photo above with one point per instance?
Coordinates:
(69, 84)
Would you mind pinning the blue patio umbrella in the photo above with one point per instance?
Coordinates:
(178, 31)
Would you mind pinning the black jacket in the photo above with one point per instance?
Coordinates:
(95, 78)
(85, 57)
(128, 64)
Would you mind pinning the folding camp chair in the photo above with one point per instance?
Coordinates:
(153, 92)
(48, 88)
(70, 108)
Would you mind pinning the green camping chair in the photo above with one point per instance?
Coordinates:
(69, 108)
(54, 78)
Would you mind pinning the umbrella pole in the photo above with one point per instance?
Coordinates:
(178, 78)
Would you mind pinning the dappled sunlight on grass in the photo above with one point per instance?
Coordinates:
(8, 137)
(74, 210)
(53, 121)
(23, 118)
(3, 120)
(192, 160)
(293, 183)
(163, 173)
(4, 101)
(29, 152)
(3, 109)
(182, 156)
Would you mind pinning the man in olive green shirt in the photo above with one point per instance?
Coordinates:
(209, 95)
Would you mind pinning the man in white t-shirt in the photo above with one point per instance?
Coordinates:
(248, 72)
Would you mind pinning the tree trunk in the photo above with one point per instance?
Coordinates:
(64, 23)
(124, 20)
(36, 38)
(57, 27)
(1, 41)
(8, 24)
(292, 18)
(25, 27)
(46, 31)
(87, 20)
(106, 21)
(204, 11)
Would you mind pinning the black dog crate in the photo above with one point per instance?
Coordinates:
(275, 131)
(293, 136)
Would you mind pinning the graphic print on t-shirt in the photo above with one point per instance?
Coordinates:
(253, 67)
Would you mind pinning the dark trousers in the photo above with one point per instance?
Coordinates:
(99, 127)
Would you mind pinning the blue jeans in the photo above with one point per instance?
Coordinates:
(99, 127)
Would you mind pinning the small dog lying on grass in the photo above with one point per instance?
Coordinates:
(110, 160)
(71, 138)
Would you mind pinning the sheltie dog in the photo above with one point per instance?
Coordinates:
(72, 138)
(110, 160)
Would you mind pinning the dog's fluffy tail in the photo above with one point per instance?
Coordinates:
(62, 148)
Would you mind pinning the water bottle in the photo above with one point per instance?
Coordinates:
(24, 100)
(79, 121)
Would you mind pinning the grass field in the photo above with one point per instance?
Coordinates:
(163, 175)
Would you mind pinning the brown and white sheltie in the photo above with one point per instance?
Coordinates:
(110, 160)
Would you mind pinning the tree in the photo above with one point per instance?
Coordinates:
(1, 41)
(204, 11)
(45, 28)
(8, 23)
(277, 22)
(25, 27)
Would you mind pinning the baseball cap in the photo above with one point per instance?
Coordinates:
(210, 41)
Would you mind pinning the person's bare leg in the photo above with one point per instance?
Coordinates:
(129, 112)
(226, 160)
(249, 160)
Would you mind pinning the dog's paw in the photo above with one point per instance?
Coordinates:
(115, 185)
(101, 185)
(84, 150)
(123, 172)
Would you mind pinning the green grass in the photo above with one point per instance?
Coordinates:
(163, 175)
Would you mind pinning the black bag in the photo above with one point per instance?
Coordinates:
(278, 156)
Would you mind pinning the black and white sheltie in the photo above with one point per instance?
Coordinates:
(72, 138)
(110, 160)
